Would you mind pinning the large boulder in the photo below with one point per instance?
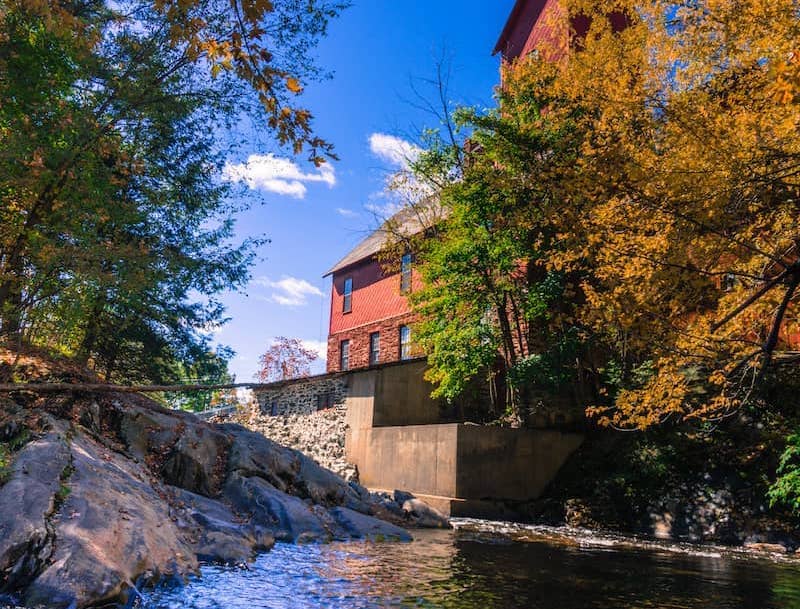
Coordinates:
(289, 518)
(114, 490)
(359, 526)
(27, 503)
(219, 534)
(113, 529)
(288, 470)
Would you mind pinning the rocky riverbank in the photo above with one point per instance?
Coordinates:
(676, 485)
(102, 493)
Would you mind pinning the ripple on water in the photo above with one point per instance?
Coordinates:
(481, 566)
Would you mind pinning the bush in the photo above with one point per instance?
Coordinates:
(786, 489)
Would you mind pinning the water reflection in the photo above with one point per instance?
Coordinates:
(483, 569)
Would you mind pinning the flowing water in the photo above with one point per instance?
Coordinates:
(484, 565)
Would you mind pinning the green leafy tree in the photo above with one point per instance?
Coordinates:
(489, 290)
(115, 229)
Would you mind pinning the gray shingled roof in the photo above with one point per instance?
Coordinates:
(410, 220)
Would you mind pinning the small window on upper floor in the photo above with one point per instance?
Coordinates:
(405, 273)
(347, 301)
(405, 342)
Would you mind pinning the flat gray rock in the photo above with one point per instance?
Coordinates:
(112, 530)
(289, 518)
(27, 502)
(219, 534)
(360, 526)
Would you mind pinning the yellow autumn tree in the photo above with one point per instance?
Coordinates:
(684, 198)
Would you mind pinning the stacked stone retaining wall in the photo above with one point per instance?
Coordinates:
(308, 415)
(303, 396)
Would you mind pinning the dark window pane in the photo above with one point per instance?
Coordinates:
(347, 304)
(374, 348)
(405, 342)
(344, 355)
(324, 400)
(405, 273)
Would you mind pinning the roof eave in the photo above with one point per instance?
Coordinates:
(338, 267)
(509, 26)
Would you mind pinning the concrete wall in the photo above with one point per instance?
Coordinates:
(464, 462)
(403, 396)
(360, 401)
(394, 434)
(417, 458)
(495, 462)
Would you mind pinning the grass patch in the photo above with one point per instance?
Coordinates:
(7, 450)
(64, 490)
(5, 464)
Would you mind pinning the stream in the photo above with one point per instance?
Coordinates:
(486, 565)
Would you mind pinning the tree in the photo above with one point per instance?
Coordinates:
(286, 358)
(649, 175)
(489, 291)
(112, 211)
(684, 201)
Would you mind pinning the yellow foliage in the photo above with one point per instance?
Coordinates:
(684, 202)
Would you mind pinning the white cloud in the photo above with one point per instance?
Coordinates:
(317, 346)
(347, 213)
(289, 291)
(393, 150)
(275, 174)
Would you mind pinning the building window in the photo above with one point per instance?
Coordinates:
(405, 342)
(374, 348)
(405, 273)
(344, 355)
(347, 304)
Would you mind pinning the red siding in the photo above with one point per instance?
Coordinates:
(550, 34)
(543, 25)
(537, 24)
(377, 305)
(375, 296)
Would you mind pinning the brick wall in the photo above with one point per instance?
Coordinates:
(359, 342)
(301, 396)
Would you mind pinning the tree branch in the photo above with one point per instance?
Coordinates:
(107, 388)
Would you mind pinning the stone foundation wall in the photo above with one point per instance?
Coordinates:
(307, 415)
(302, 396)
(319, 435)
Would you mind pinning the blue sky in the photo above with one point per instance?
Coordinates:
(313, 217)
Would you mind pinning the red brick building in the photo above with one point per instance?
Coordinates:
(542, 26)
(371, 318)
(534, 25)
